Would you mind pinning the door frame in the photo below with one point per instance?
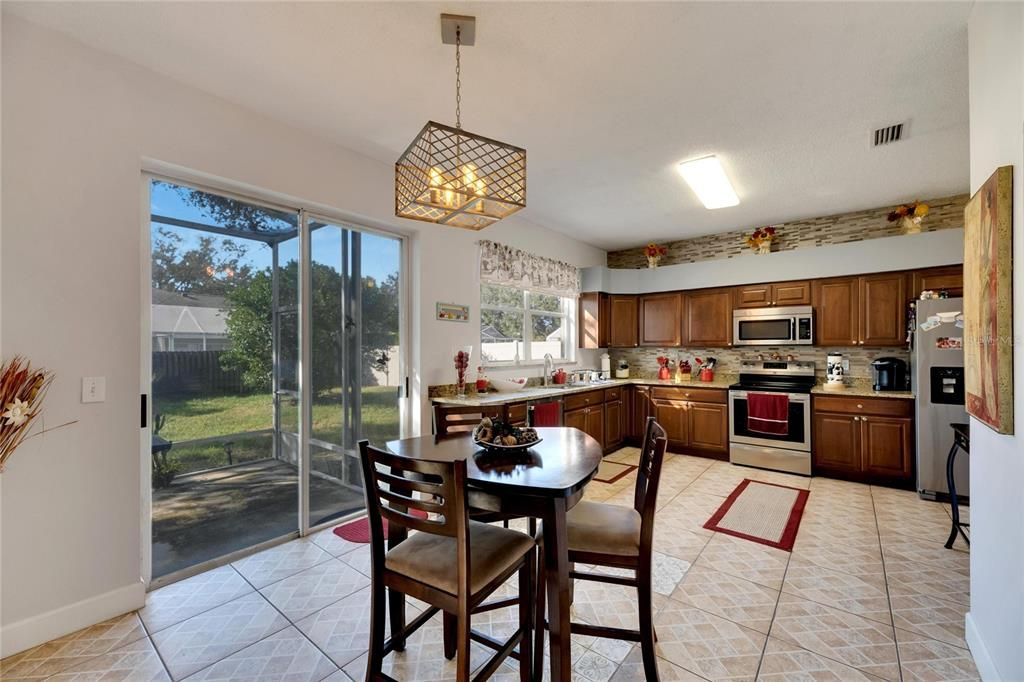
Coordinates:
(153, 169)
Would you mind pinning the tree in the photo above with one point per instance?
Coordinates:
(212, 266)
(250, 324)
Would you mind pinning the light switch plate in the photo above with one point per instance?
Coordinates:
(94, 389)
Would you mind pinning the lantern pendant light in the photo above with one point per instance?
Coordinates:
(453, 177)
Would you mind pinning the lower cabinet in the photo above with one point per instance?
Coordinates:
(693, 426)
(590, 420)
(864, 439)
(613, 424)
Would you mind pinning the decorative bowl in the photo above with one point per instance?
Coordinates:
(491, 447)
(509, 384)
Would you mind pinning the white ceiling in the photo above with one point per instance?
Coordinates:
(606, 97)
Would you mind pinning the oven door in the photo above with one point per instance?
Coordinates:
(798, 436)
(763, 330)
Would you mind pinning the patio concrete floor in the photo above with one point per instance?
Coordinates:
(203, 516)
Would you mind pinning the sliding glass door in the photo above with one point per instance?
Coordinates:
(276, 347)
(356, 368)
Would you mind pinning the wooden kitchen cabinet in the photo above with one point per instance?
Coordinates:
(592, 312)
(775, 294)
(707, 318)
(949, 278)
(660, 319)
(696, 420)
(623, 324)
(671, 415)
(888, 443)
(861, 311)
(836, 443)
(883, 309)
(835, 308)
(614, 417)
(864, 439)
(708, 427)
(575, 419)
(640, 410)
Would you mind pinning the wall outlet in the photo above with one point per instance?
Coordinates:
(94, 389)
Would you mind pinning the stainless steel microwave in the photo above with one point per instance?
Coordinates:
(789, 326)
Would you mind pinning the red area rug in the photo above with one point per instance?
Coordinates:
(766, 513)
(359, 530)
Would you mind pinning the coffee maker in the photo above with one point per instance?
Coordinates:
(890, 374)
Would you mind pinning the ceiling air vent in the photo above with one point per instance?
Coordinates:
(887, 135)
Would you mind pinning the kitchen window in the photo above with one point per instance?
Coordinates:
(520, 325)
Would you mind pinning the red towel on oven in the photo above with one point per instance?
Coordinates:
(768, 413)
(546, 414)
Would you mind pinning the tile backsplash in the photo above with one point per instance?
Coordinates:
(643, 361)
(946, 213)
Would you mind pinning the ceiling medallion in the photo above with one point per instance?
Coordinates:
(453, 177)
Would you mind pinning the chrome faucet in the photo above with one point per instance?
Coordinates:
(549, 367)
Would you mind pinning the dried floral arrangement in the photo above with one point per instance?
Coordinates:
(915, 209)
(761, 239)
(654, 252)
(22, 390)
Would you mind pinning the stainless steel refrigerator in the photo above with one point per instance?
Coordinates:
(937, 378)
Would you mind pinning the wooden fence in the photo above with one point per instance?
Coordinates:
(191, 372)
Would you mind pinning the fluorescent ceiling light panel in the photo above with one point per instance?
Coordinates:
(708, 181)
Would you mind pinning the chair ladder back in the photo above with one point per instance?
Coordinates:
(648, 475)
(391, 493)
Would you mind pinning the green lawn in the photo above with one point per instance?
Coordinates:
(193, 418)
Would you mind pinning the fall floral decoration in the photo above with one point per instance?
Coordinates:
(909, 215)
(22, 390)
(760, 241)
(654, 252)
(664, 373)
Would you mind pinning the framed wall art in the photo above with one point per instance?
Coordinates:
(988, 302)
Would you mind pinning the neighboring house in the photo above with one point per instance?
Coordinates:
(189, 321)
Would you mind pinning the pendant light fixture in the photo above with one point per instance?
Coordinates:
(453, 177)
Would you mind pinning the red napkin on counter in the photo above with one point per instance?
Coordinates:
(768, 413)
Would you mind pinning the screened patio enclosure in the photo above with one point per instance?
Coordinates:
(256, 439)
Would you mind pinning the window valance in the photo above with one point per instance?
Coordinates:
(500, 264)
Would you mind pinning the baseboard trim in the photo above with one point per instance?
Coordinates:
(30, 632)
(982, 660)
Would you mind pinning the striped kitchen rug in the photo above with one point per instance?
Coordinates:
(761, 512)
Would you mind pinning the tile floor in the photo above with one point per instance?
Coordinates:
(868, 593)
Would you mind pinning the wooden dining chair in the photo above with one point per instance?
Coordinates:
(451, 563)
(618, 537)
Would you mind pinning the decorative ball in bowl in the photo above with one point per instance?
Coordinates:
(495, 435)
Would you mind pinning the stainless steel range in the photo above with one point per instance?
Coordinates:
(788, 450)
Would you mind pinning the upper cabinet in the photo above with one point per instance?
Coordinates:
(776, 294)
(861, 311)
(622, 321)
(883, 309)
(707, 318)
(949, 279)
(660, 319)
(836, 315)
(593, 320)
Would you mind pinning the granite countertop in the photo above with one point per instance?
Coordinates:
(854, 391)
(721, 382)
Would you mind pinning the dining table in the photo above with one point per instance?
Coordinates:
(542, 482)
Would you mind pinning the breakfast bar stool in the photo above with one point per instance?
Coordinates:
(619, 537)
(451, 563)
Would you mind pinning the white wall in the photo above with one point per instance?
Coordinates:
(77, 125)
(995, 624)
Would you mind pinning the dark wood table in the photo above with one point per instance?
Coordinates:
(544, 482)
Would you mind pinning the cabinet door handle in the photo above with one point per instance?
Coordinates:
(860, 406)
(863, 419)
(856, 419)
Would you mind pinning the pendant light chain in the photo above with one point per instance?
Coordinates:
(458, 78)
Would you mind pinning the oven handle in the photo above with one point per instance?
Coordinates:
(793, 397)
